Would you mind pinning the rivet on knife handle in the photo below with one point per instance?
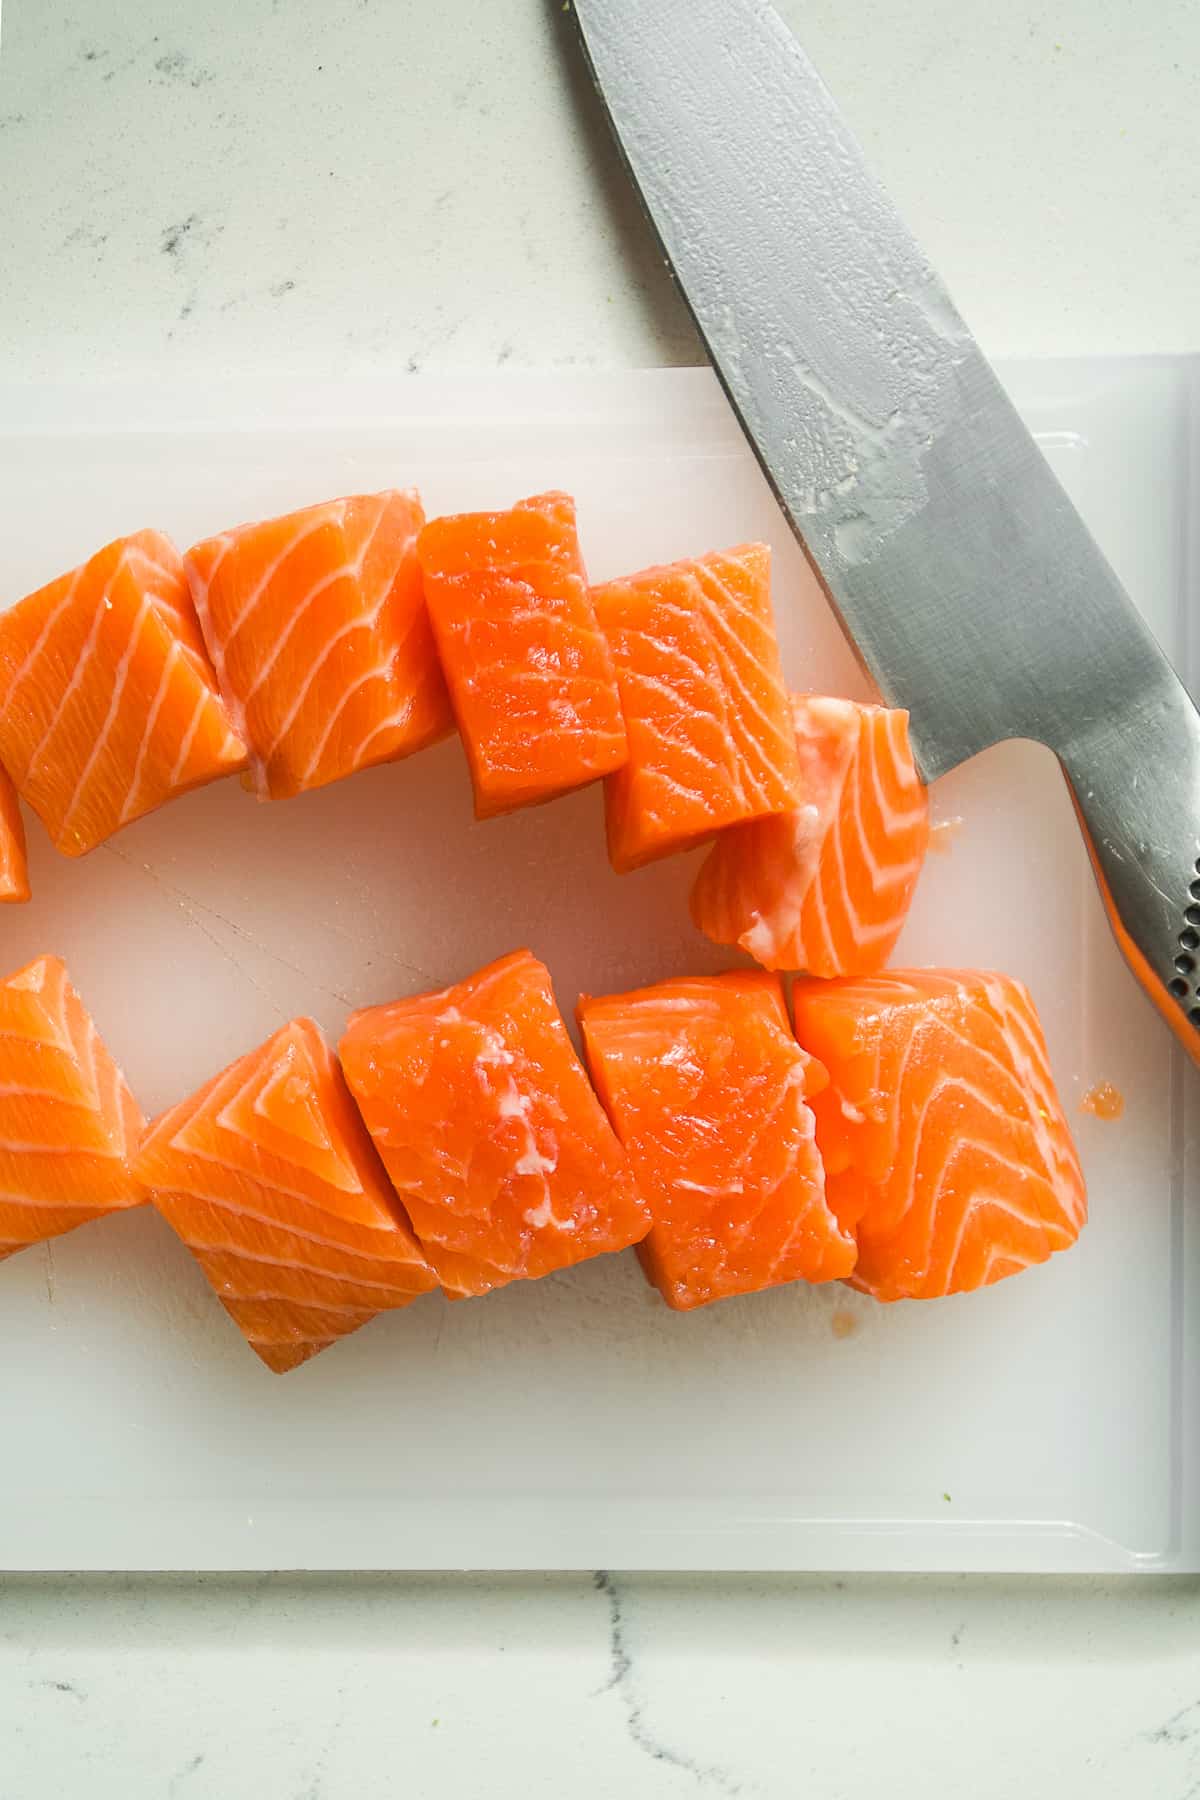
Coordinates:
(967, 581)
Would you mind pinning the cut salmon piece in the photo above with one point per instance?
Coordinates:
(497, 1146)
(827, 886)
(946, 1148)
(68, 1122)
(710, 735)
(108, 705)
(317, 629)
(268, 1176)
(529, 670)
(14, 868)
(709, 1093)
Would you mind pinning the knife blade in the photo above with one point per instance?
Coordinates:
(967, 582)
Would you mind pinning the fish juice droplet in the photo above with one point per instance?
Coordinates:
(942, 835)
(843, 1324)
(1103, 1101)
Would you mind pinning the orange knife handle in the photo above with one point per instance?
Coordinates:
(1135, 781)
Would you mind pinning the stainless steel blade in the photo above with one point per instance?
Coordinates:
(967, 581)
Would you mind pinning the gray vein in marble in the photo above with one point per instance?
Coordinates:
(61, 1687)
(86, 237)
(185, 1773)
(1180, 1728)
(316, 1788)
(92, 55)
(179, 66)
(174, 236)
(621, 1681)
(186, 245)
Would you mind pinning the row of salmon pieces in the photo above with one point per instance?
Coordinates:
(301, 649)
(899, 1132)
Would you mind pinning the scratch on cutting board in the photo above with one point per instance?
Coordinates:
(263, 950)
(376, 949)
(361, 943)
(191, 908)
(48, 1261)
(185, 905)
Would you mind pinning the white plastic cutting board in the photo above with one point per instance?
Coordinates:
(1049, 1423)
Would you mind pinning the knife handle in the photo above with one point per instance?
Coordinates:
(1135, 780)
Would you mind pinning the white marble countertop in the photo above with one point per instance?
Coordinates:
(597, 1687)
(347, 183)
(317, 186)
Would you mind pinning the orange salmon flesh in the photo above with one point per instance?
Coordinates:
(318, 633)
(268, 1176)
(108, 705)
(826, 886)
(498, 1148)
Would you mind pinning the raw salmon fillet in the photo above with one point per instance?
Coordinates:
(107, 702)
(498, 1147)
(68, 1122)
(14, 870)
(268, 1177)
(317, 629)
(946, 1148)
(710, 733)
(709, 1093)
(529, 670)
(827, 886)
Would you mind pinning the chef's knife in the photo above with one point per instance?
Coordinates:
(968, 583)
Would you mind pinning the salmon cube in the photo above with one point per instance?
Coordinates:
(530, 673)
(710, 734)
(268, 1176)
(709, 1093)
(108, 704)
(826, 886)
(946, 1148)
(497, 1146)
(317, 629)
(14, 868)
(69, 1125)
